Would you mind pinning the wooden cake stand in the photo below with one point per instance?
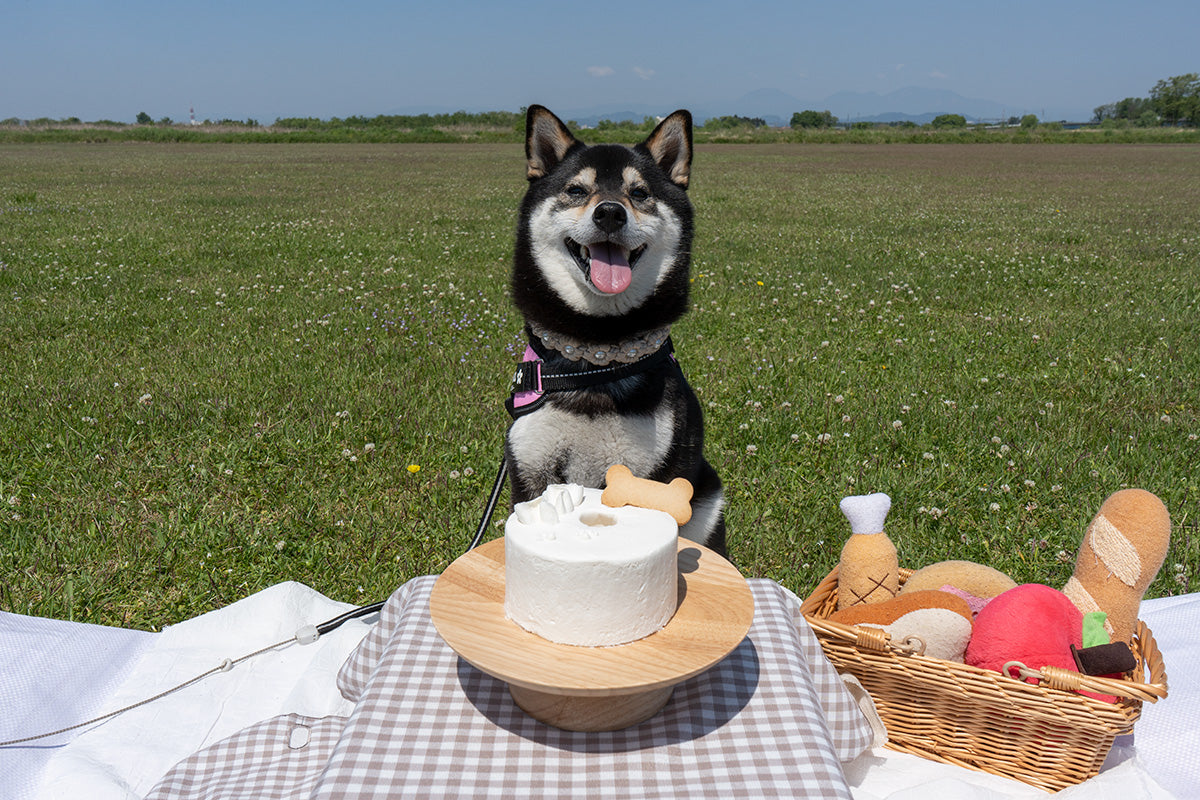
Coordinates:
(592, 688)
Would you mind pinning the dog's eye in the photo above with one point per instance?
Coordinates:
(639, 193)
(575, 190)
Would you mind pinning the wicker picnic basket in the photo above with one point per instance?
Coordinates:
(1043, 734)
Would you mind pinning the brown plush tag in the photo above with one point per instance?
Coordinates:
(1104, 659)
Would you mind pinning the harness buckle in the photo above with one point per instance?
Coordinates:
(528, 377)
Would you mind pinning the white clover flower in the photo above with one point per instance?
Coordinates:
(993, 507)
(897, 424)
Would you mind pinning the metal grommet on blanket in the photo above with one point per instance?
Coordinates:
(299, 738)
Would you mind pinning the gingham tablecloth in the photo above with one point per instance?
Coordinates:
(771, 720)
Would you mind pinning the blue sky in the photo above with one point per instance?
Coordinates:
(111, 59)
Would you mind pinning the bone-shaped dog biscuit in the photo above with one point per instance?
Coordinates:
(624, 489)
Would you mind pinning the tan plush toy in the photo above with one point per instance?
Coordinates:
(975, 583)
(1122, 551)
(868, 571)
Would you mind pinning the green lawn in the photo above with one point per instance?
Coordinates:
(228, 365)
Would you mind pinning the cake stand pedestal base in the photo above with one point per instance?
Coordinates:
(589, 713)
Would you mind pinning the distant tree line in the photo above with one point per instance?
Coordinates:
(813, 119)
(824, 119)
(487, 119)
(733, 121)
(1172, 101)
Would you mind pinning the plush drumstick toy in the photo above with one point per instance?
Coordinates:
(1122, 551)
(868, 571)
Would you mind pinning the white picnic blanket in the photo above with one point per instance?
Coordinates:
(74, 670)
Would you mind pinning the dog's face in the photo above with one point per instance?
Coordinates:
(605, 230)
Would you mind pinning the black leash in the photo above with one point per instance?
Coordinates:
(490, 509)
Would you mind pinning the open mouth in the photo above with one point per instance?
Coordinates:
(608, 266)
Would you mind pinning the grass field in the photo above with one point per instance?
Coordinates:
(224, 366)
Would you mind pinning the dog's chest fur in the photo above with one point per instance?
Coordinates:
(554, 445)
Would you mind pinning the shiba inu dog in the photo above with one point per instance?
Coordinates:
(600, 272)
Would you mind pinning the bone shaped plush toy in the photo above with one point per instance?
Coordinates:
(624, 489)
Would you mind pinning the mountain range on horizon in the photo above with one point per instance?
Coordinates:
(776, 107)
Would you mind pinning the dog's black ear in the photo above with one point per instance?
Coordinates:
(547, 142)
(670, 145)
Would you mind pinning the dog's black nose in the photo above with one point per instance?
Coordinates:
(609, 217)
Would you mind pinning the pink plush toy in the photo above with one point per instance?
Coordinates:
(1032, 623)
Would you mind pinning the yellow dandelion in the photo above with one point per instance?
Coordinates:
(414, 468)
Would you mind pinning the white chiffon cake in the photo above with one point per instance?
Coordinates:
(579, 572)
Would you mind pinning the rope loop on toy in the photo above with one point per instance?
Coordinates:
(1049, 676)
(913, 645)
(1023, 672)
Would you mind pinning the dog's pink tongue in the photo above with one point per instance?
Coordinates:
(610, 271)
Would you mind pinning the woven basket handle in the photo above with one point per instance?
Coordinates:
(868, 638)
(1068, 680)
